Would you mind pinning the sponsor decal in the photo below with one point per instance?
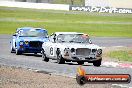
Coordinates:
(101, 9)
(83, 78)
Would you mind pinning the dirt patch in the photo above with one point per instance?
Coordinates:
(11, 77)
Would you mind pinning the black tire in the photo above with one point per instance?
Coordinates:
(80, 62)
(60, 59)
(97, 63)
(12, 50)
(44, 57)
(18, 52)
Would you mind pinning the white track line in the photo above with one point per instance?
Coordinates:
(120, 85)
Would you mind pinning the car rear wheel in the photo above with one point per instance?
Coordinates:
(44, 57)
(80, 62)
(97, 63)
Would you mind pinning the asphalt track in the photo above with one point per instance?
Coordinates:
(34, 62)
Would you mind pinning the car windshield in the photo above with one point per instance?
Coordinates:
(33, 33)
(73, 38)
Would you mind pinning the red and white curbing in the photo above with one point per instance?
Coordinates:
(110, 64)
(125, 65)
(116, 64)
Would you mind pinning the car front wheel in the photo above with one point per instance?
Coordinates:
(60, 59)
(18, 52)
(97, 63)
(12, 50)
(44, 57)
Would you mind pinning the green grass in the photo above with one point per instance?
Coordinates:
(75, 2)
(95, 24)
(122, 55)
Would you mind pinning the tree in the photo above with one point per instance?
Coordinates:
(72, 2)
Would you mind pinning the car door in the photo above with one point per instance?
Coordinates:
(50, 48)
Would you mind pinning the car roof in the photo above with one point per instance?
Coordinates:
(57, 33)
(28, 28)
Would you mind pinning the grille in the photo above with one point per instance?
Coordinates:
(83, 51)
(35, 44)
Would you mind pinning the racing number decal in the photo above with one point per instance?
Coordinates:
(51, 51)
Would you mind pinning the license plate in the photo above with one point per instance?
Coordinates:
(81, 58)
(92, 56)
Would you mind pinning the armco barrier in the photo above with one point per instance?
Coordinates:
(100, 9)
(35, 5)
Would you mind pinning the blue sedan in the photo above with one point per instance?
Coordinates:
(28, 40)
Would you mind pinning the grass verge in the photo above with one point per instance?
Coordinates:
(122, 55)
(95, 24)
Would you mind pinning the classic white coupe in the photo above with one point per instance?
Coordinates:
(71, 46)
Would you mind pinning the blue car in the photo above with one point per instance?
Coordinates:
(28, 40)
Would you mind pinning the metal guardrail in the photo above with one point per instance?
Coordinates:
(35, 5)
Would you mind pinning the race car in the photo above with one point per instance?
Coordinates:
(71, 46)
(28, 40)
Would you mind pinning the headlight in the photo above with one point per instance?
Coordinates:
(94, 50)
(99, 52)
(72, 50)
(26, 42)
(66, 52)
(21, 43)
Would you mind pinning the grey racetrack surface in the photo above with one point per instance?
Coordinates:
(112, 41)
(31, 61)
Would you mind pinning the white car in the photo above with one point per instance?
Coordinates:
(71, 46)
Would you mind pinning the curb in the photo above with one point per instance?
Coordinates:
(116, 64)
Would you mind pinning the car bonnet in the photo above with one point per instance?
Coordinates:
(79, 45)
(42, 39)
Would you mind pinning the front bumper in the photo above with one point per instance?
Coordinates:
(30, 50)
(82, 58)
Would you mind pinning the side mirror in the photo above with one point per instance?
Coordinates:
(14, 35)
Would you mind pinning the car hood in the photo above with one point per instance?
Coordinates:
(42, 39)
(78, 45)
